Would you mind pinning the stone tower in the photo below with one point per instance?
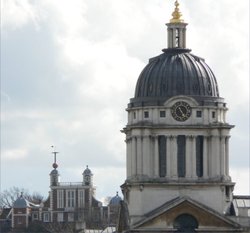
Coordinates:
(177, 138)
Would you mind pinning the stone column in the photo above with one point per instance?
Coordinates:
(139, 155)
(193, 155)
(222, 155)
(189, 156)
(156, 157)
(173, 156)
(146, 155)
(205, 157)
(227, 155)
(215, 155)
(168, 159)
(134, 156)
(129, 158)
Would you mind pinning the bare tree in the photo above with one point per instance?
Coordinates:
(35, 198)
(8, 196)
(107, 200)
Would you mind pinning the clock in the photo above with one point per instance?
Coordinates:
(87, 179)
(181, 111)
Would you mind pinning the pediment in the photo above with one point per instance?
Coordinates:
(164, 217)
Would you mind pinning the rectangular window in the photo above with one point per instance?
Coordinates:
(213, 114)
(181, 155)
(60, 217)
(198, 114)
(146, 114)
(70, 217)
(46, 217)
(19, 220)
(60, 198)
(162, 156)
(71, 198)
(81, 198)
(199, 156)
(134, 115)
(35, 216)
(162, 114)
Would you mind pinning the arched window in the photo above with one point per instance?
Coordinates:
(185, 223)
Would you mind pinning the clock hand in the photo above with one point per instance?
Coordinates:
(183, 115)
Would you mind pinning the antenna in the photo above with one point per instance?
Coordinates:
(54, 165)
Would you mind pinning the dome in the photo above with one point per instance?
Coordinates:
(21, 202)
(175, 72)
(87, 171)
(115, 200)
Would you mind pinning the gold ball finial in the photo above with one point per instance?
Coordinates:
(176, 14)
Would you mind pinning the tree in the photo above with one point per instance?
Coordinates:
(7, 197)
(107, 200)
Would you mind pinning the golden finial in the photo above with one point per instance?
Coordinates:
(176, 14)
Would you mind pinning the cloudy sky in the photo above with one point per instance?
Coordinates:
(68, 69)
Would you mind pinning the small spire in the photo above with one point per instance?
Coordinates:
(176, 14)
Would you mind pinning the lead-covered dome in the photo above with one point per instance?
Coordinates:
(175, 72)
(115, 201)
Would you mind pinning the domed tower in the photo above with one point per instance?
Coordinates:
(54, 174)
(20, 213)
(177, 136)
(87, 176)
(113, 209)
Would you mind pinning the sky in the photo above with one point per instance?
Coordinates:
(69, 68)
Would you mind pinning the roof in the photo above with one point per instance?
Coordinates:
(115, 200)
(87, 171)
(172, 73)
(54, 172)
(21, 202)
(176, 207)
(241, 206)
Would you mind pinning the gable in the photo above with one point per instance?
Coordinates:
(166, 216)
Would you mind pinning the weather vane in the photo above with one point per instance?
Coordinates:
(176, 14)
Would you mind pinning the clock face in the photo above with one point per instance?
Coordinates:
(87, 178)
(181, 111)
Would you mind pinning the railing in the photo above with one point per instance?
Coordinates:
(70, 184)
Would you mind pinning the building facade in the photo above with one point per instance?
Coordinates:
(70, 207)
(177, 140)
(74, 201)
